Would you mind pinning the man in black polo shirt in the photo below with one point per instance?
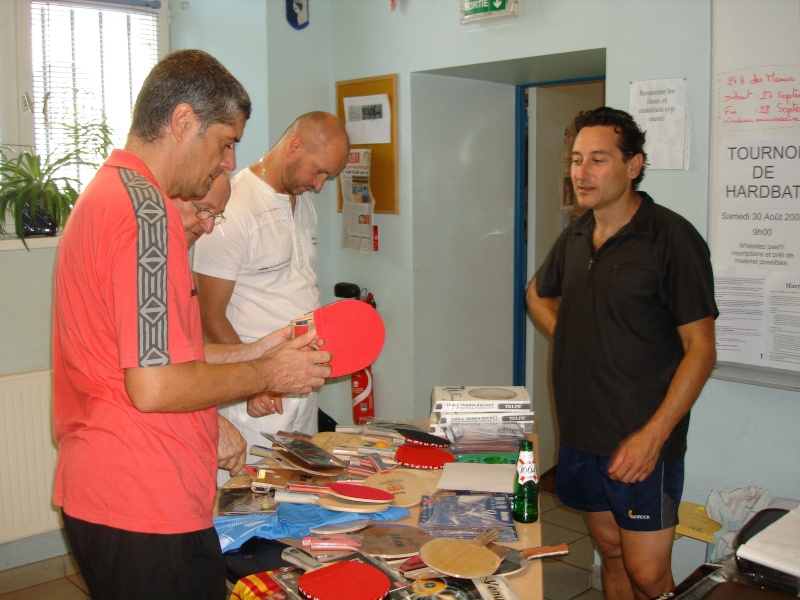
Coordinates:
(627, 293)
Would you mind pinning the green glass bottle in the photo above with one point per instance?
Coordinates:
(526, 487)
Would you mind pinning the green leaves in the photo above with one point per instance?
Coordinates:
(34, 185)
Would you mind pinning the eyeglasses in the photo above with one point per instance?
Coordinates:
(203, 213)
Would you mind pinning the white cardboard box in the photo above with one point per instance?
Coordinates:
(480, 399)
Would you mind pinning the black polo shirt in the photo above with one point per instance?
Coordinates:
(616, 346)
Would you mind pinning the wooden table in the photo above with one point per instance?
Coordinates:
(527, 583)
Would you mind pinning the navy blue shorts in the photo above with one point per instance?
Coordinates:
(582, 483)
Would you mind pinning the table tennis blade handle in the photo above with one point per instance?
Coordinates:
(544, 552)
(261, 451)
(487, 535)
(331, 542)
(300, 559)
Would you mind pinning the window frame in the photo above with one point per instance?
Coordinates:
(16, 77)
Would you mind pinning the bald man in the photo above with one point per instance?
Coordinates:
(256, 272)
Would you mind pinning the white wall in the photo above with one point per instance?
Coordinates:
(462, 235)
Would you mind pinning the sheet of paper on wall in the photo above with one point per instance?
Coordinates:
(659, 107)
(357, 203)
(368, 119)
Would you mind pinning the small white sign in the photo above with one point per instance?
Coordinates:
(659, 107)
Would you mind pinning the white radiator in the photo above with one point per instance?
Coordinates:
(27, 455)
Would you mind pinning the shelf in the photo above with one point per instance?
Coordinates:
(11, 243)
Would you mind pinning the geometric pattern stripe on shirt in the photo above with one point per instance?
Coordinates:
(151, 268)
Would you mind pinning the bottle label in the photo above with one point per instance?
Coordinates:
(526, 468)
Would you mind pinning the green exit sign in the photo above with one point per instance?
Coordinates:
(478, 10)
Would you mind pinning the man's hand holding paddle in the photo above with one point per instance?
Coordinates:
(291, 369)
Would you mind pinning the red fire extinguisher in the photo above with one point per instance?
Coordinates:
(362, 385)
(363, 395)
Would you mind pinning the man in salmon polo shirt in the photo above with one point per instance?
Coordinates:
(135, 389)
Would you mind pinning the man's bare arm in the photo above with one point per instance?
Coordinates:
(637, 455)
(289, 368)
(543, 310)
(214, 294)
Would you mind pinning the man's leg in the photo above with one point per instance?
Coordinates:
(125, 565)
(606, 534)
(648, 561)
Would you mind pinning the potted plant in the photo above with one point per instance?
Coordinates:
(37, 192)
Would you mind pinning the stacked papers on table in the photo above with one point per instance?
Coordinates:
(466, 516)
(777, 546)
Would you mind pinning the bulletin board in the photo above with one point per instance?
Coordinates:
(754, 191)
(383, 169)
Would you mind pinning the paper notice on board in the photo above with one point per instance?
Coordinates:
(659, 107)
(357, 203)
(758, 98)
(757, 252)
(759, 318)
(368, 119)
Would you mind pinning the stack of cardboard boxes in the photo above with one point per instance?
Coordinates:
(479, 405)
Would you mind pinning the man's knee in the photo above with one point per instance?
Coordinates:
(650, 578)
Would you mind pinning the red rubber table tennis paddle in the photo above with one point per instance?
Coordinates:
(346, 580)
(422, 457)
(422, 438)
(352, 330)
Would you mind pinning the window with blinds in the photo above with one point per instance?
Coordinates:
(88, 62)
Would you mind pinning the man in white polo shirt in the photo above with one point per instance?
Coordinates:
(256, 271)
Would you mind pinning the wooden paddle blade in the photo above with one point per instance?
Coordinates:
(393, 540)
(462, 558)
(407, 485)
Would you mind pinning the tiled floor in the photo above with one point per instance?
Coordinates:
(565, 578)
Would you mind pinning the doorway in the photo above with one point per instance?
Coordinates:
(550, 111)
(466, 273)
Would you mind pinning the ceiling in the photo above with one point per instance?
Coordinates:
(567, 66)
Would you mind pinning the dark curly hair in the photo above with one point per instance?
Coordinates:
(631, 138)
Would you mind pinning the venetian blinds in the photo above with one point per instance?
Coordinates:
(88, 62)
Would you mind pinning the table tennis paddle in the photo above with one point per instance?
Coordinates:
(352, 330)
(386, 541)
(359, 493)
(415, 568)
(275, 478)
(294, 461)
(330, 502)
(346, 580)
(422, 438)
(355, 492)
(422, 457)
(407, 485)
(511, 562)
(515, 560)
(329, 440)
(345, 527)
(462, 558)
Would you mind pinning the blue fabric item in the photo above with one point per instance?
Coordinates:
(289, 521)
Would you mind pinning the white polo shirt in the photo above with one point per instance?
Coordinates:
(270, 253)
